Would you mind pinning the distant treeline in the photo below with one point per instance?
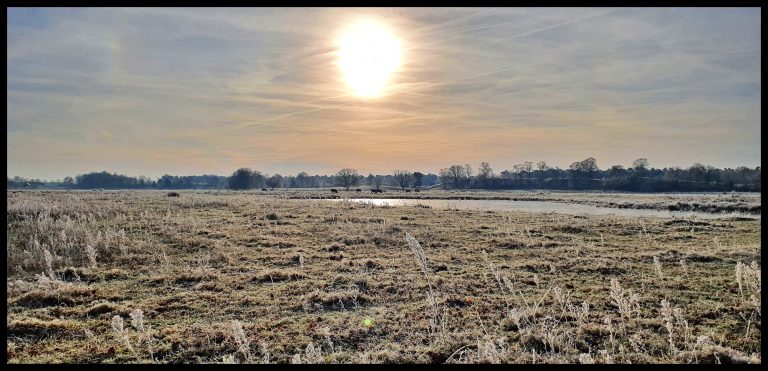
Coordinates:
(117, 181)
(581, 175)
(252, 179)
(586, 175)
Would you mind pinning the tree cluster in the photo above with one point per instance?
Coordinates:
(586, 175)
(580, 175)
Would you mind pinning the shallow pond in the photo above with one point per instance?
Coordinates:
(544, 207)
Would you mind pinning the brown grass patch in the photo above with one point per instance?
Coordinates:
(38, 328)
(277, 275)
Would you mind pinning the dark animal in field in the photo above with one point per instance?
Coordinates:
(173, 194)
(417, 191)
(358, 190)
(407, 191)
(334, 190)
(376, 191)
(264, 189)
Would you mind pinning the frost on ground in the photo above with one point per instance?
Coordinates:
(227, 277)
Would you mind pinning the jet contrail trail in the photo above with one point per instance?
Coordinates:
(427, 85)
(416, 31)
(564, 23)
(448, 81)
(438, 25)
(292, 114)
(421, 45)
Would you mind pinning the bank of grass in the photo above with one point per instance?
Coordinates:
(249, 277)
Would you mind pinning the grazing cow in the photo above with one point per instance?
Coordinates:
(173, 194)
(407, 191)
(333, 190)
(358, 190)
(264, 189)
(417, 191)
(376, 191)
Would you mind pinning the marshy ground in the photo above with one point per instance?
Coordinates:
(210, 277)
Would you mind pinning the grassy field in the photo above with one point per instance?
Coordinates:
(212, 277)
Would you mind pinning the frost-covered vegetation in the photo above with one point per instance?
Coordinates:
(137, 276)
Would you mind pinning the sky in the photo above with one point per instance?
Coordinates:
(190, 91)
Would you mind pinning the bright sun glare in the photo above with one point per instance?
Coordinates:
(368, 55)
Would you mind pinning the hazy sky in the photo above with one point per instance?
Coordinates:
(192, 91)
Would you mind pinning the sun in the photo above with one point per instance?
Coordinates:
(369, 53)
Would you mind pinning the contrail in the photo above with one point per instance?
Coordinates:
(292, 114)
(427, 85)
(521, 20)
(535, 17)
(347, 95)
(438, 25)
(564, 23)
(486, 27)
(448, 81)
(423, 85)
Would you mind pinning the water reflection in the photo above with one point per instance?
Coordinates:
(543, 207)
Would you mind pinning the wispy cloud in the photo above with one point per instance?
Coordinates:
(154, 91)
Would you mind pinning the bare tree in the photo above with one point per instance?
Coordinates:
(528, 168)
(402, 177)
(484, 173)
(69, 182)
(445, 176)
(579, 169)
(542, 165)
(589, 166)
(245, 178)
(376, 182)
(417, 177)
(302, 180)
(347, 178)
(641, 164)
(257, 179)
(457, 173)
(274, 181)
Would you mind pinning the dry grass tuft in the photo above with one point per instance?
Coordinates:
(714, 354)
(102, 308)
(64, 295)
(336, 300)
(39, 328)
(278, 275)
